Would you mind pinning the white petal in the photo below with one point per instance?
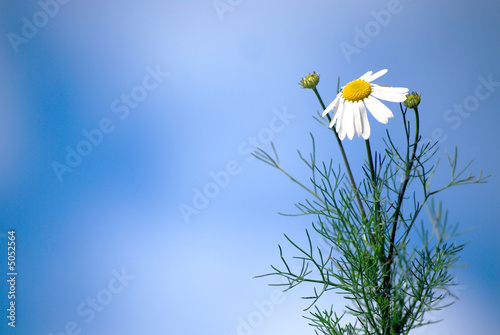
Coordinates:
(339, 124)
(379, 111)
(364, 120)
(387, 88)
(332, 122)
(340, 131)
(366, 75)
(341, 135)
(339, 113)
(332, 105)
(376, 75)
(358, 124)
(389, 96)
(349, 120)
(340, 128)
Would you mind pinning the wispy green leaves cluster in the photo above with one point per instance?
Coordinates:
(392, 264)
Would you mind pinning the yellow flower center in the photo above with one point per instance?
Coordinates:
(356, 90)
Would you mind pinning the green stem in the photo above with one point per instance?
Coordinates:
(370, 160)
(379, 244)
(319, 98)
(375, 195)
(346, 162)
(390, 256)
(405, 184)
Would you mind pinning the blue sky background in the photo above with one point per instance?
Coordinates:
(223, 76)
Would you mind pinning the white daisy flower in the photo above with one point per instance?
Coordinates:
(349, 111)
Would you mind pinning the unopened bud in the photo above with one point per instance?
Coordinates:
(412, 101)
(310, 81)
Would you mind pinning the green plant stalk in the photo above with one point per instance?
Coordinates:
(377, 202)
(379, 244)
(403, 189)
(346, 162)
(390, 256)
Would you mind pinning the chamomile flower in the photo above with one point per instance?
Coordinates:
(349, 107)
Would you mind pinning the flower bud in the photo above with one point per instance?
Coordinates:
(310, 81)
(412, 101)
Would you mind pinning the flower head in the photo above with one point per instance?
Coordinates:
(412, 101)
(350, 105)
(310, 81)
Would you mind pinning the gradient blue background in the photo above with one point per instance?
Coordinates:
(228, 74)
